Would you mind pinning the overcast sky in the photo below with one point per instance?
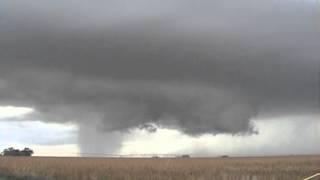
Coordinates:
(215, 76)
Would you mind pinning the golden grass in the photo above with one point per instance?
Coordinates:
(264, 168)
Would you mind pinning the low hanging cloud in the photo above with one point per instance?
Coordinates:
(199, 67)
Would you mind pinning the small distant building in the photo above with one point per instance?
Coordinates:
(185, 156)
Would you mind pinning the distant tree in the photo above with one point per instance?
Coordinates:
(26, 152)
(11, 152)
(16, 152)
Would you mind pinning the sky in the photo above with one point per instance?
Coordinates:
(139, 77)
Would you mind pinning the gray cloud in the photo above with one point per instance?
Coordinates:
(205, 67)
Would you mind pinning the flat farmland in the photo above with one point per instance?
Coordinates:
(234, 168)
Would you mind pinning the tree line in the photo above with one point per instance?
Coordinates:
(16, 152)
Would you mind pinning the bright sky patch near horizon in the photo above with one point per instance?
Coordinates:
(14, 112)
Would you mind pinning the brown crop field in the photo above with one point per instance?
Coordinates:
(241, 168)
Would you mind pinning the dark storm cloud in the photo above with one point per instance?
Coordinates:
(201, 67)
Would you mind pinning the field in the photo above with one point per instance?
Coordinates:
(241, 168)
